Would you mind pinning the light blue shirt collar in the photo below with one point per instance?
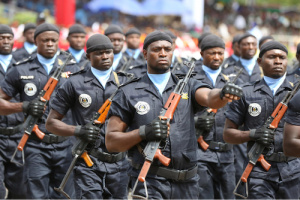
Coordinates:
(29, 47)
(160, 80)
(5, 60)
(77, 54)
(117, 58)
(248, 64)
(212, 74)
(47, 63)
(273, 83)
(136, 52)
(102, 76)
(235, 57)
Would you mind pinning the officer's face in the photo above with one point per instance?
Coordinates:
(117, 40)
(6, 43)
(101, 59)
(213, 58)
(248, 47)
(158, 56)
(133, 41)
(273, 63)
(77, 40)
(29, 35)
(47, 43)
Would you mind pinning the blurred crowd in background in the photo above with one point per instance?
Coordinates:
(225, 18)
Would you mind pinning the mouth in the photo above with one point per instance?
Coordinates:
(163, 62)
(278, 69)
(105, 63)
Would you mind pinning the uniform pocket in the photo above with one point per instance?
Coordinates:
(190, 155)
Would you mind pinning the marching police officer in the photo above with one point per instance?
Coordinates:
(234, 58)
(252, 110)
(76, 39)
(265, 39)
(134, 121)
(84, 93)
(11, 175)
(215, 164)
(29, 47)
(46, 160)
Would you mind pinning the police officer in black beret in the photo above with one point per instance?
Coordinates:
(29, 47)
(134, 121)
(84, 93)
(12, 176)
(235, 57)
(46, 160)
(252, 110)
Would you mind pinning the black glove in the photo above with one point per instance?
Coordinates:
(156, 130)
(205, 121)
(35, 108)
(89, 133)
(230, 88)
(262, 135)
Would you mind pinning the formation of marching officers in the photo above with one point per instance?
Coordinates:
(222, 114)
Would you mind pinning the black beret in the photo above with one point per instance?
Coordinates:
(170, 34)
(113, 29)
(271, 45)
(245, 35)
(212, 41)
(98, 42)
(202, 37)
(156, 36)
(298, 49)
(29, 26)
(76, 28)
(5, 29)
(132, 31)
(45, 27)
(236, 38)
(269, 37)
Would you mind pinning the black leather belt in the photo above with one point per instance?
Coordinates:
(220, 146)
(107, 157)
(168, 173)
(49, 138)
(11, 130)
(279, 157)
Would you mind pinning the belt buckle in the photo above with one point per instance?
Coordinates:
(181, 175)
(53, 138)
(282, 157)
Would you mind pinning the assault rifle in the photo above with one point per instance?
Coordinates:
(255, 154)
(152, 150)
(210, 112)
(126, 66)
(79, 148)
(30, 124)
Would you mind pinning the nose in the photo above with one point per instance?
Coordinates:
(163, 53)
(277, 60)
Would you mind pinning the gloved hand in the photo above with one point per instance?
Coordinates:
(231, 89)
(156, 130)
(262, 135)
(205, 121)
(35, 108)
(89, 133)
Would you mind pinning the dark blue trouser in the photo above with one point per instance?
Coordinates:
(11, 175)
(264, 189)
(161, 188)
(217, 181)
(45, 169)
(240, 162)
(93, 183)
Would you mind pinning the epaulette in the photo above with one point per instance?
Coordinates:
(25, 60)
(79, 72)
(130, 81)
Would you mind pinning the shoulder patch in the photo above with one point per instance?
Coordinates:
(25, 60)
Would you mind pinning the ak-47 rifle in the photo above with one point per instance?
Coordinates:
(30, 124)
(255, 154)
(152, 151)
(210, 112)
(79, 148)
(126, 66)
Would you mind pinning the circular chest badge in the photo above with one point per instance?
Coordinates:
(142, 107)
(85, 100)
(254, 109)
(30, 89)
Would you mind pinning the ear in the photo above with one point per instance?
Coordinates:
(298, 56)
(259, 61)
(145, 53)
(88, 56)
(201, 53)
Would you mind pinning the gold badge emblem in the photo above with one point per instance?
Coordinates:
(185, 96)
(60, 62)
